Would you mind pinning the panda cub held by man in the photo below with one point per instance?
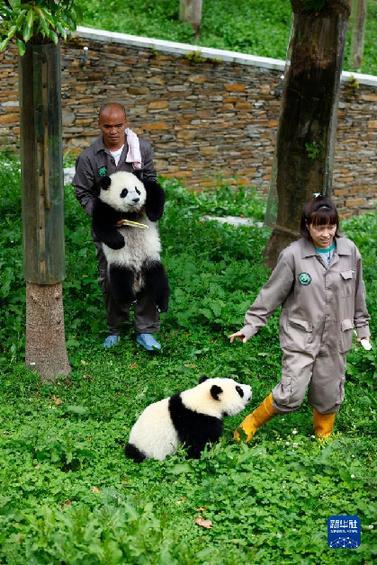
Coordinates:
(193, 417)
(124, 220)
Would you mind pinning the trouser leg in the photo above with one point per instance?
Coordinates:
(326, 391)
(115, 313)
(147, 317)
(297, 369)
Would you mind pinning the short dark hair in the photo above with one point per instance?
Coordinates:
(319, 211)
(107, 105)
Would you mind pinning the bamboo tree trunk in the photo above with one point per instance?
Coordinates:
(42, 209)
(307, 126)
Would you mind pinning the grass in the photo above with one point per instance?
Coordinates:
(243, 26)
(68, 494)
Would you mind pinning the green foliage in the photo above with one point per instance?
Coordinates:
(313, 149)
(68, 495)
(38, 20)
(260, 27)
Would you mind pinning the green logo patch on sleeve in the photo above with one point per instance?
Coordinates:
(102, 171)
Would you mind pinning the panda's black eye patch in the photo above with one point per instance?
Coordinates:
(240, 391)
(124, 193)
(137, 190)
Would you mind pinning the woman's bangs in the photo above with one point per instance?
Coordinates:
(323, 217)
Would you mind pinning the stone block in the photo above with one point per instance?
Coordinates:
(235, 87)
(158, 105)
(9, 118)
(355, 202)
(156, 126)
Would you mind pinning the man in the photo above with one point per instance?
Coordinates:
(117, 149)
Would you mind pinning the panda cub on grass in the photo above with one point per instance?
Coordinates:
(193, 417)
(124, 221)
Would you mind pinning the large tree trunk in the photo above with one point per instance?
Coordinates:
(45, 341)
(358, 18)
(306, 133)
(42, 209)
(191, 11)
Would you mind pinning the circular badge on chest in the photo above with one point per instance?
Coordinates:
(304, 279)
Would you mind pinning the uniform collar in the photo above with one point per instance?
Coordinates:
(342, 248)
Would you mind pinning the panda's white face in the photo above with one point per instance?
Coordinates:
(217, 397)
(126, 192)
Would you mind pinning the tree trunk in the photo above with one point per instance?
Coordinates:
(191, 11)
(307, 125)
(45, 341)
(358, 18)
(42, 208)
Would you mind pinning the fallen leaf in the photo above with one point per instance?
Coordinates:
(200, 521)
(56, 400)
(95, 490)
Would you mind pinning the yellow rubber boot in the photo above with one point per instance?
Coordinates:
(256, 419)
(323, 424)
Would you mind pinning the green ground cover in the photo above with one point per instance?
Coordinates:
(68, 495)
(258, 27)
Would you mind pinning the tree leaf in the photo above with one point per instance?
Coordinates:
(28, 27)
(21, 47)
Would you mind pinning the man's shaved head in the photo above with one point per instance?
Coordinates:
(109, 106)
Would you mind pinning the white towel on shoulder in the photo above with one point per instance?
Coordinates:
(133, 155)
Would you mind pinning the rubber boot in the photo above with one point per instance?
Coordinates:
(323, 424)
(256, 419)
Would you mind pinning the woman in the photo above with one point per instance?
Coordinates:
(318, 281)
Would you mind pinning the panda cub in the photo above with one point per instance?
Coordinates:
(193, 417)
(124, 221)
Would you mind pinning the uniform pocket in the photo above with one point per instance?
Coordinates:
(346, 327)
(295, 334)
(347, 282)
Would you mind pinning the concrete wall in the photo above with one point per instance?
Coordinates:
(211, 115)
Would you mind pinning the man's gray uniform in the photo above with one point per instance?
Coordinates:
(93, 163)
(320, 309)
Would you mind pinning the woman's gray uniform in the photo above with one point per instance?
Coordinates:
(320, 308)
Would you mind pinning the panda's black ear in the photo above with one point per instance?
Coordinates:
(216, 391)
(202, 379)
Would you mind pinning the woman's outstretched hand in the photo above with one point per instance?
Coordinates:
(238, 335)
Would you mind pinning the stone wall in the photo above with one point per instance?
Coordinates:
(211, 115)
